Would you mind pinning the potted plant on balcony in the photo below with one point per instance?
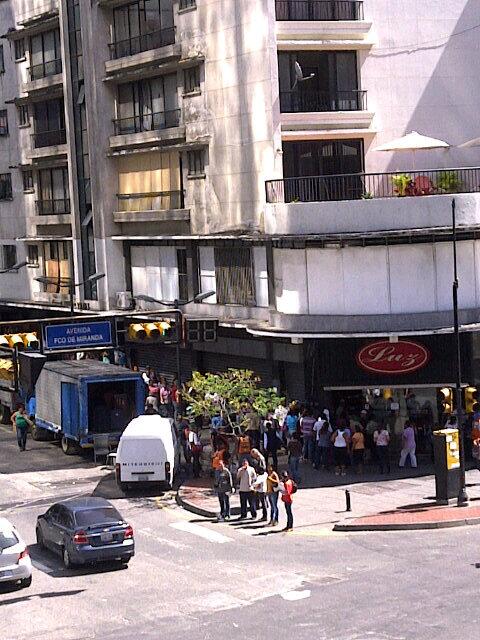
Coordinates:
(449, 182)
(403, 184)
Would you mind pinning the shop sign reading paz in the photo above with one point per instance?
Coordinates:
(399, 357)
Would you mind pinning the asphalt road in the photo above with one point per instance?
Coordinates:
(197, 579)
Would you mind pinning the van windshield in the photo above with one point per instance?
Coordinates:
(100, 515)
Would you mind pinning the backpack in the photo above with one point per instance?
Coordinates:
(294, 486)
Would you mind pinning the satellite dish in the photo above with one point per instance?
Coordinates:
(299, 77)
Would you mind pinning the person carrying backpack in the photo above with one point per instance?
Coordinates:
(21, 422)
(289, 488)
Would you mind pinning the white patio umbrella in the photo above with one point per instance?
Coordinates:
(413, 141)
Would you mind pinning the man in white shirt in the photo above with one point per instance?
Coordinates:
(246, 476)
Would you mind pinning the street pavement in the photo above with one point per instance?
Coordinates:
(197, 579)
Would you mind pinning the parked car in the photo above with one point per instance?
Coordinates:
(85, 530)
(15, 563)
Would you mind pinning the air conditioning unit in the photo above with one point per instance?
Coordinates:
(124, 300)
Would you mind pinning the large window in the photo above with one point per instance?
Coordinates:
(9, 256)
(148, 105)
(49, 118)
(2, 60)
(45, 54)
(234, 276)
(141, 26)
(150, 182)
(57, 266)
(3, 122)
(53, 191)
(155, 272)
(5, 186)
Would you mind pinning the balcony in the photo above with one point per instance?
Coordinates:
(144, 42)
(324, 10)
(321, 101)
(49, 138)
(44, 78)
(45, 69)
(384, 201)
(147, 122)
(52, 207)
(160, 206)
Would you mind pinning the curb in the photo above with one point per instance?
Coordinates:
(412, 526)
(188, 506)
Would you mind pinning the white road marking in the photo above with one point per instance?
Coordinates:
(296, 595)
(201, 532)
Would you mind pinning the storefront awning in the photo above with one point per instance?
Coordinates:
(466, 328)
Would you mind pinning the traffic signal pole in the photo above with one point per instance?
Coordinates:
(462, 499)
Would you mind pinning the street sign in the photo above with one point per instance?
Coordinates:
(80, 335)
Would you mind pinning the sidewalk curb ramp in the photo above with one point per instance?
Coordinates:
(188, 506)
(404, 526)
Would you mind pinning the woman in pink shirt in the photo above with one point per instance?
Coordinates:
(287, 499)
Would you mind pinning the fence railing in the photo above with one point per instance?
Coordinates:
(143, 42)
(299, 101)
(45, 69)
(319, 9)
(147, 122)
(49, 138)
(52, 207)
(154, 201)
(355, 186)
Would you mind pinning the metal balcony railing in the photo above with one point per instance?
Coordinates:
(355, 186)
(314, 101)
(144, 42)
(147, 122)
(45, 69)
(49, 138)
(319, 10)
(154, 201)
(52, 207)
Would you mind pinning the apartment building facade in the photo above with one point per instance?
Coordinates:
(181, 146)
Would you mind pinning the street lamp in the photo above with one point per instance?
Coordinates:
(175, 305)
(72, 285)
(462, 499)
(15, 267)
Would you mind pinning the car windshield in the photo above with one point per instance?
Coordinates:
(7, 539)
(99, 515)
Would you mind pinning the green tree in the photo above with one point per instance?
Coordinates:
(229, 392)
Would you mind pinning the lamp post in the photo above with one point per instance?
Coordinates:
(15, 268)
(72, 285)
(462, 499)
(175, 306)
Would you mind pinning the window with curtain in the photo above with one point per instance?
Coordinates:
(57, 266)
(148, 105)
(45, 54)
(234, 276)
(54, 196)
(141, 26)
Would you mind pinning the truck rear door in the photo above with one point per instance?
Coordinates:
(70, 410)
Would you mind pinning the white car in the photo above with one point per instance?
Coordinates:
(15, 563)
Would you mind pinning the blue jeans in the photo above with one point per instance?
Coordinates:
(273, 500)
(293, 467)
(288, 510)
(321, 456)
(22, 437)
(224, 500)
(308, 447)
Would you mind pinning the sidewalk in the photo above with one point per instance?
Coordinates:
(399, 501)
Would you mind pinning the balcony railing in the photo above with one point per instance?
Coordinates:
(49, 138)
(45, 69)
(315, 101)
(319, 10)
(154, 201)
(147, 122)
(144, 42)
(355, 186)
(52, 207)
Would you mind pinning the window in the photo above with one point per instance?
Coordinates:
(57, 267)
(187, 4)
(3, 122)
(9, 256)
(141, 26)
(196, 163)
(53, 191)
(23, 116)
(234, 276)
(49, 120)
(5, 186)
(191, 79)
(45, 54)
(28, 185)
(19, 49)
(32, 255)
(2, 60)
(182, 274)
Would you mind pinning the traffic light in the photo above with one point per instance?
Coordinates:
(151, 331)
(20, 341)
(137, 332)
(201, 330)
(470, 399)
(446, 399)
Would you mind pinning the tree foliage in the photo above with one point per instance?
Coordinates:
(230, 392)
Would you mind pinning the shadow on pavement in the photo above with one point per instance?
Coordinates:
(47, 562)
(45, 595)
(109, 489)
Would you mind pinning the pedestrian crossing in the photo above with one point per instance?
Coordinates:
(200, 531)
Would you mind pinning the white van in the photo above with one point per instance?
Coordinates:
(148, 451)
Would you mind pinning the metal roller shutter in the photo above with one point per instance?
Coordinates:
(162, 358)
(220, 362)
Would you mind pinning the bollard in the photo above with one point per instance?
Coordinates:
(348, 500)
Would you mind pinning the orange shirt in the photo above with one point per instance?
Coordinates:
(475, 435)
(358, 441)
(217, 457)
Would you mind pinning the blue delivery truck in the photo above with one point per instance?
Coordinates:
(79, 399)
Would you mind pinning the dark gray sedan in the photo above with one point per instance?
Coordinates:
(85, 530)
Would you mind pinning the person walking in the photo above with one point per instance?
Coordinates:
(246, 476)
(341, 440)
(358, 449)
(196, 449)
(294, 449)
(381, 438)
(273, 482)
(323, 435)
(224, 488)
(288, 490)
(260, 488)
(408, 446)
(306, 427)
(271, 444)
(153, 393)
(21, 422)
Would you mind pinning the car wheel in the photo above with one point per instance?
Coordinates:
(37, 433)
(39, 536)
(26, 582)
(67, 562)
(69, 448)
